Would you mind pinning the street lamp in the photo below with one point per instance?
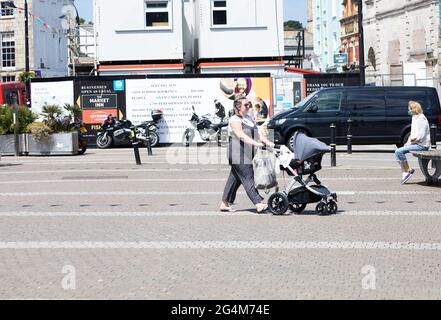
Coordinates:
(361, 43)
(26, 16)
(71, 31)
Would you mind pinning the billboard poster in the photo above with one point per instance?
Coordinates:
(288, 93)
(51, 93)
(98, 98)
(176, 97)
(314, 82)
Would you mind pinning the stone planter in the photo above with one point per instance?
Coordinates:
(7, 147)
(57, 144)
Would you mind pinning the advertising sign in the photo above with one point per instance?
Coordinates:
(103, 101)
(315, 82)
(176, 97)
(51, 93)
(97, 116)
(341, 58)
(98, 97)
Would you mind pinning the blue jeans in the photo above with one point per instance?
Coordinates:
(400, 154)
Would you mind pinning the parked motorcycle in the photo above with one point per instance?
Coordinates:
(150, 127)
(118, 133)
(208, 131)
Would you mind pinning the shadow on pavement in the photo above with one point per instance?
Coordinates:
(425, 184)
(10, 164)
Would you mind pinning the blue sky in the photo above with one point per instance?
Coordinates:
(293, 9)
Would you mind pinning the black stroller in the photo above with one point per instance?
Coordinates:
(305, 161)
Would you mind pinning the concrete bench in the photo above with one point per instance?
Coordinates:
(424, 158)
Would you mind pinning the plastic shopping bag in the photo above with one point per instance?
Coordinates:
(264, 174)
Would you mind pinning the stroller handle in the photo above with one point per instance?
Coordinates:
(274, 150)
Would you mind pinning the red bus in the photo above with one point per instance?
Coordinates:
(6, 88)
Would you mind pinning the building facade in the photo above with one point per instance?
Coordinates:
(402, 42)
(326, 23)
(350, 34)
(188, 36)
(47, 45)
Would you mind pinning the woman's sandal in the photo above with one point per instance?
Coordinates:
(227, 209)
(261, 207)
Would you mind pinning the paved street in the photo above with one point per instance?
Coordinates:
(99, 227)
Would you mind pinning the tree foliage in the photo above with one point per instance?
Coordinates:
(25, 117)
(292, 25)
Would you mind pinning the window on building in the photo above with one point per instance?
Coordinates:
(7, 50)
(6, 10)
(219, 12)
(8, 78)
(157, 14)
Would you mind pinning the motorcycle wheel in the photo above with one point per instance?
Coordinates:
(187, 137)
(154, 139)
(103, 142)
(82, 146)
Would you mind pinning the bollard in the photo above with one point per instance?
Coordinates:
(333, 145)
(433, 129)
(148, 142)
(135, 144)
(349, 137)
(14, 99)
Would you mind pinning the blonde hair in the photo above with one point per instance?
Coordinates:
(415, 107)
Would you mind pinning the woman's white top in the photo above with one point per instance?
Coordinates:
(420, 130)
(247, 120)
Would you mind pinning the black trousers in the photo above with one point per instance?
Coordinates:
(241, 174)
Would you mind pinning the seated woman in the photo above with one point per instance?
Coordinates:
(419, 139)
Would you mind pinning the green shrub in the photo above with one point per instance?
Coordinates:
(53, 118)
(25, 117)
(75, 112)
(40, 131)
(25, 76)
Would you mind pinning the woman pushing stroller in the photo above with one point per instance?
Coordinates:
(242, 148)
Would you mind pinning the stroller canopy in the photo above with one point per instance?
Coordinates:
(306, 147)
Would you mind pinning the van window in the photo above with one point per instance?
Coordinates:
(328, 101)
(366, 102)
(397, 101)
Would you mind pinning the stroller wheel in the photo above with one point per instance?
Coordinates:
(278, 203)
(297, 207)
(322, 209)
(332, 207)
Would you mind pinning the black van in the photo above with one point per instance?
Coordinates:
(379, 114)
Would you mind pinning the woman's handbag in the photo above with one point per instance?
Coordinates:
(265, 176)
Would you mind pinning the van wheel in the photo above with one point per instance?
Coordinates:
(404, 141)
(291, 138)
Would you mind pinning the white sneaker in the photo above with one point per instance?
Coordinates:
(407, 176)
